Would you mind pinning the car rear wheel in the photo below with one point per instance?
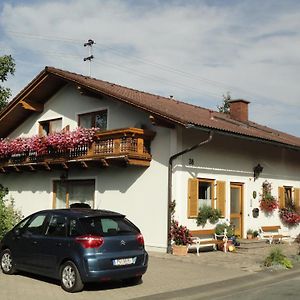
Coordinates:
(70, 278)
(7, 262)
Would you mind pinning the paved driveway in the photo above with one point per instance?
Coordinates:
(164, 274)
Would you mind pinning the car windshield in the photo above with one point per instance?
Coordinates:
(107, 226)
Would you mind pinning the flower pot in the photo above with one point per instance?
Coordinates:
(180, 250)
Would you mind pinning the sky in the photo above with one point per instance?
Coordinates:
(196, 51)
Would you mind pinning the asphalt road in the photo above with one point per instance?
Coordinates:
(286, 289)
(266, 285)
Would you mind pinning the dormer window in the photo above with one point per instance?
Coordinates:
(50, 126)
(94, 119)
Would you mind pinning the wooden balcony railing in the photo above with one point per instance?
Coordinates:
(130, 146)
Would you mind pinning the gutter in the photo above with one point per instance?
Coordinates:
(170, 177)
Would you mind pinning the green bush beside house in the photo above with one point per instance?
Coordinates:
(9, 215)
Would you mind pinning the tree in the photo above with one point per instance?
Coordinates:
(7, 66)
(225, 107)
(9, 216)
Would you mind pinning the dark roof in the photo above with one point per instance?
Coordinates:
(178, 112)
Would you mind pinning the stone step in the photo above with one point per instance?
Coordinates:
(252, 244)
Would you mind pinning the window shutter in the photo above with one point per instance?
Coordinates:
(221, 197)
(192, 198)
(281, 197)
(297, 197)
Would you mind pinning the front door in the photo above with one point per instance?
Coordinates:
(236, 207)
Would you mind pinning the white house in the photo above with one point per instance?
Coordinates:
(149, 152)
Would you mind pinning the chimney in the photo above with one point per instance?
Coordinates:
(239, 110)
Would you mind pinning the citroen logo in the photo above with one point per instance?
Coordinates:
(122, 243)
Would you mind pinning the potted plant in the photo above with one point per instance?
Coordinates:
(249, 234)
(255, 234)
(220, 228)
(180, 237)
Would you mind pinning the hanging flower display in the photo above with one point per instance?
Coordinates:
(289, 217)
(268, 203)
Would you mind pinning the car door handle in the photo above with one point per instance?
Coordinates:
(34, 242)
(58, 244)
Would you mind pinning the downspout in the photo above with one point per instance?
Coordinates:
(170, 177)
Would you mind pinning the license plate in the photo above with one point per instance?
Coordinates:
(124, 261)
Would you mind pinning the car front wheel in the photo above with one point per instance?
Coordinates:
(70, 278)
(7, 262)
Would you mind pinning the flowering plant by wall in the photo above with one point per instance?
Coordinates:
(268, 203)
(64, 140)
(179, 234)
(289, 217)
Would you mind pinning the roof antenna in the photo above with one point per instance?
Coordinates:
(89, 58)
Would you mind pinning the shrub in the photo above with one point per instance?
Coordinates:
(208, 213)
(276, 257)
(9, 216)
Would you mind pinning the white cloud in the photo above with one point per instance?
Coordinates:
(194, 50)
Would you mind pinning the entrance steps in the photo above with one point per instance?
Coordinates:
(252, 244)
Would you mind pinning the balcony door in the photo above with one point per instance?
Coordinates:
(67, 192)
(236, 207)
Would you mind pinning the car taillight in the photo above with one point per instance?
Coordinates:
(140, 239)
(90, 241)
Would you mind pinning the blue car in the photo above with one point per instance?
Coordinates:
(76, 246)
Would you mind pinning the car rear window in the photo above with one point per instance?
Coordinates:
(107, 226)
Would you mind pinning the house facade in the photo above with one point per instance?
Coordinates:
(147, 152)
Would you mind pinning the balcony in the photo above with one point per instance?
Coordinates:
(123, 147)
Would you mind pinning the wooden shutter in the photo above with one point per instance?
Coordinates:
(221, 197)
(192, 198)
(297, 198)
(281, 197)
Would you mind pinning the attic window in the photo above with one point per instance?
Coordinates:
(50, 126)
(96, 119)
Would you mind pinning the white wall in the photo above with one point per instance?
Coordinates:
(232, 160)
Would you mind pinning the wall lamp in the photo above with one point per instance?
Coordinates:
(256, 171)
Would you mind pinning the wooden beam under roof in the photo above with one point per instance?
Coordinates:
(65, 166)
(37, 107)
(104, 162)
(84, 164)
(31, 168)
(16, 169)
(46, 165)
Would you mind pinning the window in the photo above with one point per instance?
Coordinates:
(50, 126)
(56, 226)
(288, 196)
(202, 192)
(68, 192)
(107, 226)
(94, 119)
(35, 226)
